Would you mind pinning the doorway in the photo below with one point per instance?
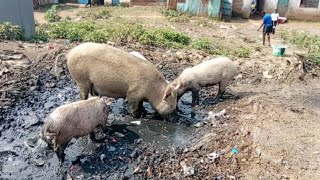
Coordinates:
(260, 5)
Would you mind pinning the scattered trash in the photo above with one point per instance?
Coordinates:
(137, 169)
(235, 151)
(135, 123)
(138, 141)
(39, 162)
(224, 27)
(266, 75)
(212, 117)
(279, 50)
(198, 124)
(120, 135)
(102, 156)
(113, 139)
(187, 170)
(111, 149)
(213, 156)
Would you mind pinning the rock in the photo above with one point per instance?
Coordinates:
(39, 162)
(111, 149)
(50, 85)
(120, 135)
(198, 124)
(134, 153)
(49, 105)
(31, 120)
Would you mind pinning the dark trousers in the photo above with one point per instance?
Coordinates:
(89, 3)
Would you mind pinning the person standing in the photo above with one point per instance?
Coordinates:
(267, 27)
(274, 18)
(89, 3)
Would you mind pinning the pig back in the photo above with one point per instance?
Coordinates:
(111, 70)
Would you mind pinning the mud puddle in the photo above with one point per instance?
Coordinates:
(84, 158)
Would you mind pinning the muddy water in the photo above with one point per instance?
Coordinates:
(83, 157)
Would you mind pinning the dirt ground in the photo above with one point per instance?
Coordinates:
(270, 129)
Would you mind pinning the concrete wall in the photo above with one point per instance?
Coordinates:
(18, 12)
(295, 12)
(270, 5)
(241, 8)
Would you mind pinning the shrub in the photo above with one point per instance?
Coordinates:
(165, 38)
(242, 52)
(10, 32)
(52, 14)
(202, 44)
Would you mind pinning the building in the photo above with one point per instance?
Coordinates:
(213, 8)
(292, 9)
(18, 12)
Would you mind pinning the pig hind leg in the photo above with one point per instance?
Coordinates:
(222, 89)
(84, 90)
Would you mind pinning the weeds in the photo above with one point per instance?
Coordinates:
(175, 16)
(9, 31)
(242, 52)
(202, 44)
(52, 14)
(100, 14)
(165, 38)
(304, 40)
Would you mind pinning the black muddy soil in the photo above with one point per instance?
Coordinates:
(155, 148)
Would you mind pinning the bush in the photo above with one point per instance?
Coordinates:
(41, 34)
(242, 52)
(165, 38)
(10, 32)
(52, 14)
(304, 40)
(175, 16)
(202, 44)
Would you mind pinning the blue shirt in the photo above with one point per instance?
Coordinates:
(267, 20)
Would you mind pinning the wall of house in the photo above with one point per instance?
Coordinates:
(270, 5)
(295, 12)
(124, 3)
(18, 12)
(241, 8)
(201, 8)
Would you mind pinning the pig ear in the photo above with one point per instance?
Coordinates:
(176, 86)
(167, 93)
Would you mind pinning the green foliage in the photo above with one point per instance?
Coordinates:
(242, 52)
(99, 14)
(175, 16)
(202, 44)
(117, 31)
(165, 38)
(10, 32)
(52, 14)
(41, 34)
(304, 40)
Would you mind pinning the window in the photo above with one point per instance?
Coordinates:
(309, 3)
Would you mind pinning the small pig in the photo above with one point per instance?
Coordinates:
(109, 71)
(74, 120)
(215, 71)
(138, 55)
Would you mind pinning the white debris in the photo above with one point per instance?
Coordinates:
(213, 156)
(187, 170)
(135, 123)
(212, 115)
(266, 75)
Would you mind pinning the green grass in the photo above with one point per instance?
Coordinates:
(304, 40)
(9, 31)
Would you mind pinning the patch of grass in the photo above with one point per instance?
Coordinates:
(242, 52)
(304, 40)
(8, 31)
(205, 45)
(202, 44)
(52, 14)
(99, 14)
(117, 31)
(165, 38)
(40, 35)
(203, 22)
(175, 16)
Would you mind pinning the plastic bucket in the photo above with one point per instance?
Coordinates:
(279, 50)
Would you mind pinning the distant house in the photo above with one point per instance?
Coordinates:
(292, 9)
(212, 8)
